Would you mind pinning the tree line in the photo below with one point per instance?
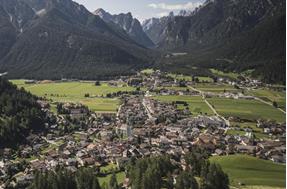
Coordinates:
(20, 114)
(147, 173)
(85, 178)
(160, 172)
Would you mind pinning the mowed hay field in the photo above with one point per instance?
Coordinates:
(246, 109)
(215, 88)
(75, 92)
(230, 75)
(252, 171)
(195, 103)
(271, 96)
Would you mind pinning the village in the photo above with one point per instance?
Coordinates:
(142, 126)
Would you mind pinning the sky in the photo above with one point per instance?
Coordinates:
(141, 9)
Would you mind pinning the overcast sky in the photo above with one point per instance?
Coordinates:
(141, 9)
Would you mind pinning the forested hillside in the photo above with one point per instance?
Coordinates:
(63, 39)
(228, 35)
(20, 114)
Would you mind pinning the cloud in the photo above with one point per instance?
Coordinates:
(171, 7)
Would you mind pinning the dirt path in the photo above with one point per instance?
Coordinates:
(209, 105)
(269, 103)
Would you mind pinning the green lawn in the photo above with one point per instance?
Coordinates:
(147, 71)
(108, 167)
(230, 75)
(205, 79)
(75, 92)
(196, 104)
(174, 88)
(189, 78)
(251, 171)
(235, 132)
(216, 88)
(180, 77)
(120, 178)
(246, 109)
(270, 95)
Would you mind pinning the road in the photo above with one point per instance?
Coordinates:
(269, 103)
(147, 109)
(209, 105)
(119, 110)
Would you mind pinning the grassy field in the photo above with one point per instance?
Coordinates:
(180, 77)
(120, 178)
(230, 75)
(108, 167)
(195, 103)
(174, 88)
(270, 95)
(75, 92)
(189, 78)
(205, 79)
(147, 71)
(216, 88)
(246, 109)
(235, 132)
(252, 171)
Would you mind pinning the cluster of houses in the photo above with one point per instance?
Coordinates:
(142, 127)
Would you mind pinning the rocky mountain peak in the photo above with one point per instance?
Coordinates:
(129, 24)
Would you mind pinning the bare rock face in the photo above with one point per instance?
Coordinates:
(129, 24)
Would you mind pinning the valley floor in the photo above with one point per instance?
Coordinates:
(242, 117)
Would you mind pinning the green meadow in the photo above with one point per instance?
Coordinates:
(174, 88)
(195, 103)
(205, 79)
(105, 180)
(246, 109)
(252, 171)
(75, 92)
(110, 168)
(230, 75)
(147, 71)
(189, 78)
(180, 77)
(215, 88)
(270, 96)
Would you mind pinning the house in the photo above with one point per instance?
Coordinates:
(87, 161)
(245, 148)
(206, 141)
(125, 130)
(219, 152)
(71, 162)
(278, 159)
(38, 165)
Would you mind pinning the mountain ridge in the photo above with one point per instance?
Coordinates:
(221, 29)
(129, 24)
(68, 41)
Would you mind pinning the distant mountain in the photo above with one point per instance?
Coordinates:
(60, 38)
(156, 28)
(129, 24)
(228, 34)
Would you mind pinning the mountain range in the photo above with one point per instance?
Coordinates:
(60, 38)
(50, 39)
(231, 35)
(129, 24)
